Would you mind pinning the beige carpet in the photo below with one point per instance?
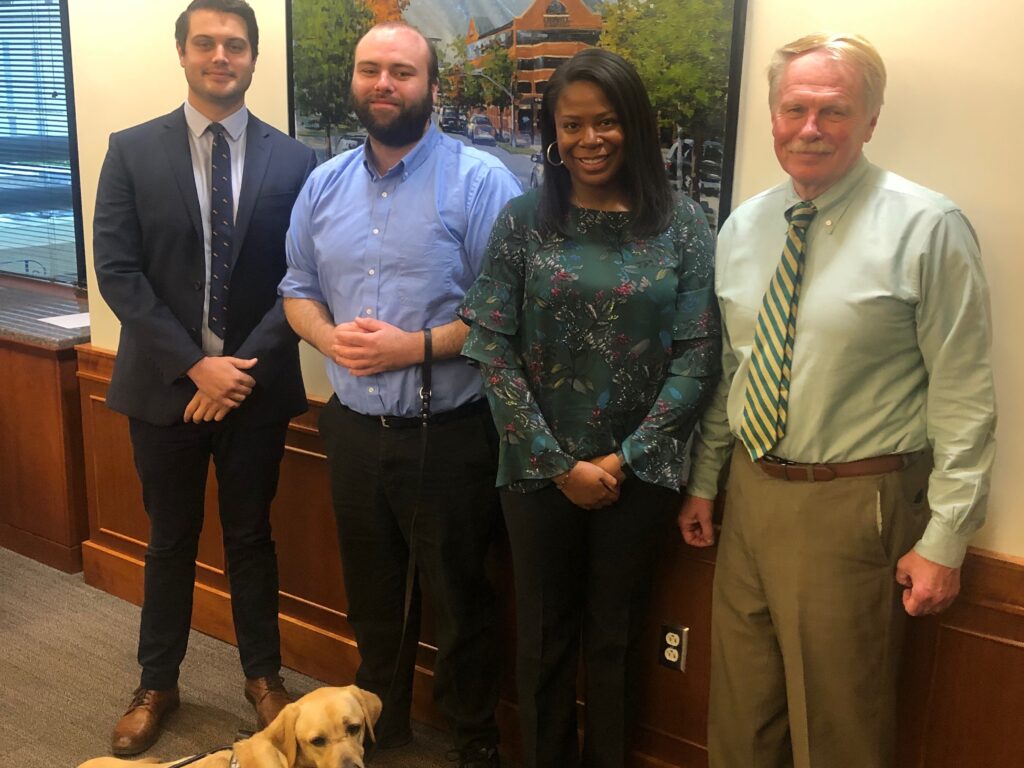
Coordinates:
(67, 671)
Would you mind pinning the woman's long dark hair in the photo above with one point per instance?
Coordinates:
(643, 175)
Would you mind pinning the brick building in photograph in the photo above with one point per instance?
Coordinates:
(547, 33)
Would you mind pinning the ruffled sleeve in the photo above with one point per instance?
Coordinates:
(656, 451)
(490, 309)
(529, 452)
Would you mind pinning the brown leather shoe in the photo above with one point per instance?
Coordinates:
(268, 696)
(139, 727)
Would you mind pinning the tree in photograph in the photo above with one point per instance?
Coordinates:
(681, 50)
(458, 87)
(388, 10)
(499, 67)
(324, 35)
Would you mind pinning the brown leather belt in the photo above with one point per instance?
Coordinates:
(781, 469)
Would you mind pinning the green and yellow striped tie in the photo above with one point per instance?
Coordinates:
(771, 360)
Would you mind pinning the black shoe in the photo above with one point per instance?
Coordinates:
(475, 756)
(390, 739)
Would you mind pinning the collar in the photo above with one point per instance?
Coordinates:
(833, 202)
(234, 124)
(413, 159)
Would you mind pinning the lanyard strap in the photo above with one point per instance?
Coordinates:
(428, 359)
(410, 571)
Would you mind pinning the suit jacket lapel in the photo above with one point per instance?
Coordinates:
(179, 155)
(257, 159)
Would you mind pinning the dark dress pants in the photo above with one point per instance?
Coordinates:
(582, 577)
(374, 478)
(173, 463)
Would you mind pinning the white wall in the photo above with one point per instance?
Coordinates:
(955, 97)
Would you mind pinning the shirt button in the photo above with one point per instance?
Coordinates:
(369, 311)
(383, 194)
(370, 390)
(197, 285)
(828, 222)
(376, 231)
(371, 271)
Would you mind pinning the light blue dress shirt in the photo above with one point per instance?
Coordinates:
(403, 248)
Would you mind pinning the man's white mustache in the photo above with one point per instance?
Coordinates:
(811, 147)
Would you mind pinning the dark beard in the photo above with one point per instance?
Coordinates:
(407, 127)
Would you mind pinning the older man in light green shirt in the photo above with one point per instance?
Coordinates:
(879, 472)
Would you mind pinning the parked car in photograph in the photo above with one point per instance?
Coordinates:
(452, 120)
(537, 171)
(481, 130)
(710, 214)
(347, 141)
(679, 167)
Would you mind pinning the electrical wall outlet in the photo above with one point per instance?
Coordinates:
(673, 646)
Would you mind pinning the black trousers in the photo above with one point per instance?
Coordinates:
(582, 578)
(173, 463)
(374, 479)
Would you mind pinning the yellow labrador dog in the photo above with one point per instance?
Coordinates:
(323, 729)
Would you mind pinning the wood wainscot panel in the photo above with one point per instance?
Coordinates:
(975, 697)
(961, 693)
(42, 484)
(673, 720)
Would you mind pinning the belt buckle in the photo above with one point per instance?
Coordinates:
(801, 472)
(832, 473)
(384, 421)
(806, 472)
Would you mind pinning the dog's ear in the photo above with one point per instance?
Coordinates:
(371, 705)
(281, 732)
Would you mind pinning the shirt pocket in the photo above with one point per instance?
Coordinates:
(425, 282)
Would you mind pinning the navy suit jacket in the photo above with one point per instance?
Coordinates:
(151, 270)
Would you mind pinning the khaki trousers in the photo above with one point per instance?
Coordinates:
(807, 619)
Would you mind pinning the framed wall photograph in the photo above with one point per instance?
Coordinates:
(496, 58)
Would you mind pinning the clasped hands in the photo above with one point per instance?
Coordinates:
(222, 385)
(367, 346)
(594, 483)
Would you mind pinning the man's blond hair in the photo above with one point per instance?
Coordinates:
(850, 49)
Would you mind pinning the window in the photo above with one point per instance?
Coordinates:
(537, 36)
(40, 206)
(541, 62)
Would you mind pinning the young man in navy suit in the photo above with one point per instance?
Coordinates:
(191, 216)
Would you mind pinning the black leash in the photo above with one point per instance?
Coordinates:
(410, 571)
(196, 758)
(240, 736)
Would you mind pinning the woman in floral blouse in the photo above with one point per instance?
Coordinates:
(595, 326)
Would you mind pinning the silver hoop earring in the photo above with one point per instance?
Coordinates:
(547, 154)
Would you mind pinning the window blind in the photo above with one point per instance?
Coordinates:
(38, 231)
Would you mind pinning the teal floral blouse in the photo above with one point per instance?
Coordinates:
(593, 343)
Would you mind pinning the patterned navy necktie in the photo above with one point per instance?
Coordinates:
(222, 229)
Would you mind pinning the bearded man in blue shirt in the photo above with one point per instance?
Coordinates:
(384, 241)
(858, 409)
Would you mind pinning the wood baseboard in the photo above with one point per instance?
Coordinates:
(63, 557)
